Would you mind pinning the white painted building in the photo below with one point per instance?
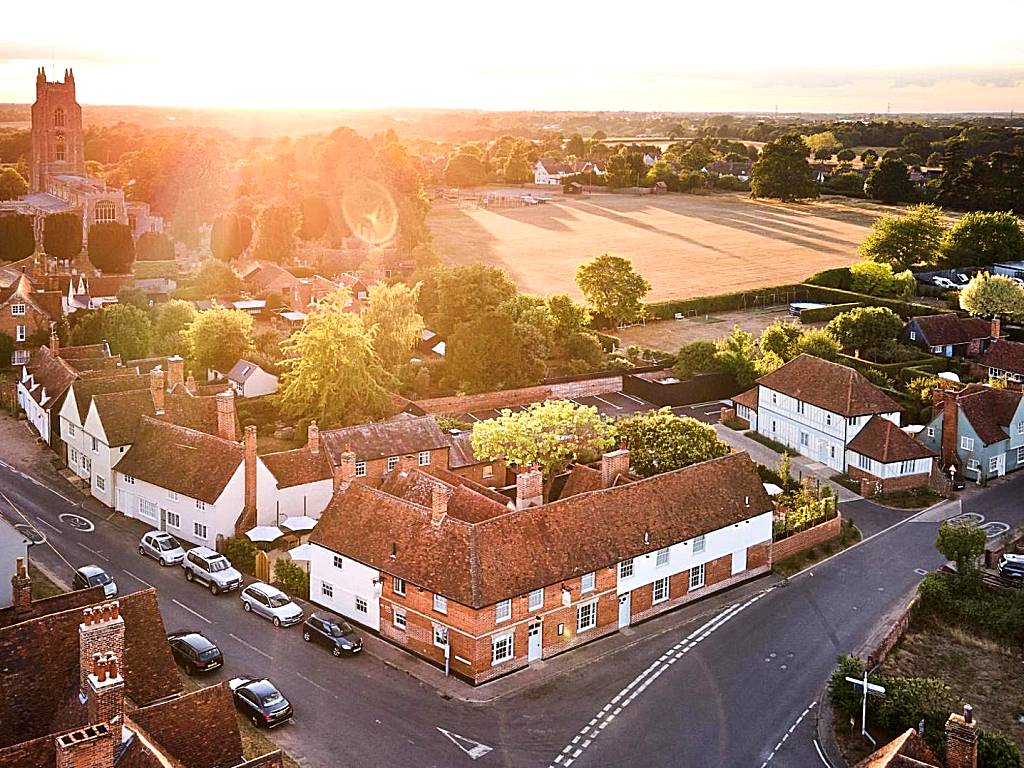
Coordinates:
(345, 586)
(249, 380)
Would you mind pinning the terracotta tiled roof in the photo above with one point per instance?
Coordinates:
(948, 328)
(107, 285)
(467, 500)
(831, 386)
(51, 302)
(385, 438)
(298, 467)
(39, 686)
(461, 453)
(516, 552)
(85, 351)
(1004, 355)
(85, 389)
(582, 479)
(198, 412)
(120, 413)
(906, 751)
(146, 364)
(54, 374)
(193, 463)
(989, 410)
(748, 398)
(883, 441)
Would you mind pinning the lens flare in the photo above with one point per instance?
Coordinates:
(370, 212)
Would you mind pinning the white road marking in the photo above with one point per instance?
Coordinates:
(474, 749)
(90, 549)
(137, 578)
(314, 683)
(194, 613)
(49, 524)
(636, 400)
(821, 754)
(613, 405)
(250, 646)
(31, 479)
(787, 734)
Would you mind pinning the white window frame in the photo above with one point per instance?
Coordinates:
(392, 462)
(20, 333)
(659, 591)
(71, 429)
(339, 562)
(863, 462)
(626, 568)
(699, 544)
(200, 530)
(966, 443)
(423, 458)
(931, 431)
(173, 519)
(172, 495)
(440, 603)
(1020, 427)
(1020, 455)
(586, 616)
(974, 465)
(697, 576)
(587, 582)
(536, 600)
(488, 472)
(398, 586)
(360, 469)
(361, 605)
(145, 505)
(17, 310)
(502, 611)
(101, 484)
(661, 559)
(993, 464)
(200, 505)
(502, 648)
(129, 480)
(913, 335)
(398, 618)
(326, 589)
(440, 635)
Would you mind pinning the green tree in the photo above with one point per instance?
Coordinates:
(576, 146)
(782, 171)
(172, 318)
(869, 157)
(230, 236)
(865, 327)
(62, 235)
(88, 328)
(877, 278)
(890, 182)
(817, 342)
(696, 157)
(493, 351)
(392, 322)
(662, 171)
(215, 278)
(846, 155)
(780, 337)
(276, 226)
(906, 241)
(128, 331)
(660, 441)
(518, 169)
(993, 296)
(625, 169)
(696, 357)
(612, 288)
(218, 338)
(568, 316)
(331, 372)
(17, 238)
(736, 354)
(135, 297)
(12, 184)
(111, 247)
(550, 434)
(997, 751)
(824, 140)
(452, 296)
(315, 215)
(963, 544)
(979, 239)
(465, 169)
(154, 246)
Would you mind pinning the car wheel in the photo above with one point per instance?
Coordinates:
(336, 651)
(188, 575)
(142, 551)
(214, 590)
(277, 622)
(255, 722)
(246, 607)
(306, 636)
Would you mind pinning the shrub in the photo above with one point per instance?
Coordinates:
(292, 579)
(839, 277)
(997, 751)
(241, 553)
(824, 314)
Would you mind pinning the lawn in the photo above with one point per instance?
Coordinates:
(685, 245)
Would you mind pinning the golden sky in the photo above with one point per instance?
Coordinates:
(659, 55)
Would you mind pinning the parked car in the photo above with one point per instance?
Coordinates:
(195, 652)
(332, 631)
(260, 701)
(162, 547)
(271, 603)
(944, 282)
(94, 576)
(1011, 566)
(211, 568)
(961, 278)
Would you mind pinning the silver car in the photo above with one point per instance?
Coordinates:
(271, 603)
(211, 568)
(162, 547)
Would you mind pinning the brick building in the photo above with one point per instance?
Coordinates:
(452, 570)
(373, 450)
(909, 749)
(25, 313)
(89, 684)
(886, 459)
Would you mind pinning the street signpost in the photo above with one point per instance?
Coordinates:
(866, 688)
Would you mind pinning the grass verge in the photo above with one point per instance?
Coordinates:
(767, 442)
(915, 498)
(42, 585)
(849, 535)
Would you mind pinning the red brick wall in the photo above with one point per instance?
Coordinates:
(33, 320)
(475, 473)
(812, 537)
(377, 468)
(870, 485)
(510, 397)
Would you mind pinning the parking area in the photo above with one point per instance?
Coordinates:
(612, 404)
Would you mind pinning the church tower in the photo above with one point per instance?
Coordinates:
(58, 142)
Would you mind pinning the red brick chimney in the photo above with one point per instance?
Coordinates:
(89, 747)
(962, 740)
(54, 343)
(101, 632)
(175, 371)
(529, 487)
(226, 415)
(949, 428)
(105, 697)
(613, 464)
(250, 468)
(313, 438)
(997, 328)
(439, 496)
(156, 388)
(345, 472)
(190, 385)
(21, 587)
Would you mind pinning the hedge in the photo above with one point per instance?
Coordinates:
(893, 370)
(723, 302)
(905, 309)
(839, 277)
(824, 314)
(609, 343)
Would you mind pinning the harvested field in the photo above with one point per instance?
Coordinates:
(670, 335)
(685, 245)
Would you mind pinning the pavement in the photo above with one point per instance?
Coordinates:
(733, 681)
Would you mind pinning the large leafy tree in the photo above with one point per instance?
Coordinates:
(660, 441)
(817, 342)
(17, 239)
(128, 330)
(782, 171)
(890, 182)
(393, 322)
(906, 241)
(626, 168)
(154, 246)
(493, 351)
(215, 278)
(737, 354)
(465, 169)
(218, 337)
(111, 247)
(613, 288)
(518, 169)
(172, 318)
(980, 239)
(230, 236)
(332, 373)
(696, 357)
(315, 215)
(453, 296)
(865, 327)
(276, 228)
(550, 434)
(963, 544)
(877, 278)
(822, 141)
(12, 184)
(62, 235)
(993, 296)
(779, 338)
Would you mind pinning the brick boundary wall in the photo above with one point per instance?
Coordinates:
(511, 397)
(881, 650)
(804, 540)
(870, 485)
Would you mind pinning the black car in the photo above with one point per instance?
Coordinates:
(332, 631)
(260, 701)
(195, 652)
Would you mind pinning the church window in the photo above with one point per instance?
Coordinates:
(60, 151)
(105, 211)
(58, 117)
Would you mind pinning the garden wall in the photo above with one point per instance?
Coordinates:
(880, 646)
(812, 537)
(701, 388)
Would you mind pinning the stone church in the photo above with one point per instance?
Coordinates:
(59, 181)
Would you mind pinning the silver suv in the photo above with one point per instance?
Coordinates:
(271, 603)
(212, 569)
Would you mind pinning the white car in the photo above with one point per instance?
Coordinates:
(944, 282)
(162, 547)
(270, 603)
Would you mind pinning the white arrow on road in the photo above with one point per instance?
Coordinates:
(474, 749)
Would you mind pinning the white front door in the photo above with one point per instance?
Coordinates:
(122, 501)
(739, 561)
(624, 610)
(535, 647)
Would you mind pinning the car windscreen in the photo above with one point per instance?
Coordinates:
(99, 578)
(337, 630)
(279, 601)
(218, 564)
(209, 653)
(166, 545)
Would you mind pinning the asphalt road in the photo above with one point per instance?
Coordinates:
(720, 694)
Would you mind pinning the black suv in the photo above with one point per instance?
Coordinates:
(332, 631)
(195, 652)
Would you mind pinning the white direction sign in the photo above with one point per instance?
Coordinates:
(474, 749)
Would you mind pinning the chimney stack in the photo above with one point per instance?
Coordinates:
(226, 415)
(175, 371)
(101, 632)
(962, 740)
(313, 438)
(90, 746)
(997, 328)
(250, 468)
(439, 496)
(190, 385)
(105, 697)
(949, 429)
(938, 395)
(21, 586)
(345, 472)
(614, 464)
(529, 487)
(156, 389)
